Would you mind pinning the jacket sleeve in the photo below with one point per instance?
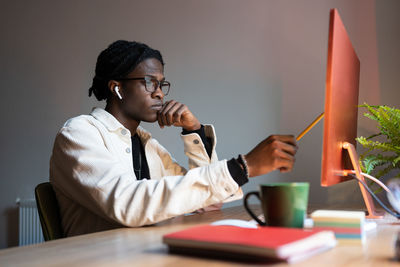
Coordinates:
(195, 149)
(198, 157)
(83, 169)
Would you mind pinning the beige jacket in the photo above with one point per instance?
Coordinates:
(92, 173)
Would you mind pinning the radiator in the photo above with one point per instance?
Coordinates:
(30, 230)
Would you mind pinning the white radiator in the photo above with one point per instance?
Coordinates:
(30, 230)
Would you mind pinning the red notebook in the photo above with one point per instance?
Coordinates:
(287, 244)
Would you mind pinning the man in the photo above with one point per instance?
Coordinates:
(109, 172)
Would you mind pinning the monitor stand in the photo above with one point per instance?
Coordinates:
(372, 212)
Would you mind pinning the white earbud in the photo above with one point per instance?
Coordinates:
(116, 89)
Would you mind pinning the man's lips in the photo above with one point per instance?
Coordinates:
(157, 106)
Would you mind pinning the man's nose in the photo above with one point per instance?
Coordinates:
(158, 93)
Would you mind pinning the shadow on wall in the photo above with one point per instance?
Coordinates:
(12, 226)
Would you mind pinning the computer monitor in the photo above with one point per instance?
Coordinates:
(339, 157)
(341, 100)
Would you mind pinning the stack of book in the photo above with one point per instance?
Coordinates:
(348, 226)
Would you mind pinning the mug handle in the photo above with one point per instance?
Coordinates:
(249, 211)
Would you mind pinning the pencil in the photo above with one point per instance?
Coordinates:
(310, 126)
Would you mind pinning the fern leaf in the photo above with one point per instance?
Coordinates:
(361, 163)
(390, 124)
(370, 162)
(378, 145)
(388, 120)
(371, 116)
(374, 135)
(373, 113)
(396, 161)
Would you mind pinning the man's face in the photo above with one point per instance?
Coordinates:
(138, 103)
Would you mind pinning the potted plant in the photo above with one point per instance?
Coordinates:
(383, 148)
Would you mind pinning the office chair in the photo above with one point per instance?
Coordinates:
(48, 210)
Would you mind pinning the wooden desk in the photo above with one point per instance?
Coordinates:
(143, 247)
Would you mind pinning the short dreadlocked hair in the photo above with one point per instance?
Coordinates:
(117, 61)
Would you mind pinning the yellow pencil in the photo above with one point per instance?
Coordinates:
(310, 126)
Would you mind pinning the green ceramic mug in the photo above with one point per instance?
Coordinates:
(283, 204)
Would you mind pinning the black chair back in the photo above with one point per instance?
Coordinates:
(49, 213)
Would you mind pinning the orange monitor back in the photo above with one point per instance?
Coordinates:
(339, 156)
(341, 100)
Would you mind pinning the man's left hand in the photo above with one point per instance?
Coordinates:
(179, 115)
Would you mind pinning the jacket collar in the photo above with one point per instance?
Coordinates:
(112, 124)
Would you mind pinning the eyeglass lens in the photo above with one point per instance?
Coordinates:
(152, 84)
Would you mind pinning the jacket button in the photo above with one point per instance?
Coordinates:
(196, 141)
(124, 132)
(128, 150)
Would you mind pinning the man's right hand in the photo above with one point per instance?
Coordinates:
(275, 152)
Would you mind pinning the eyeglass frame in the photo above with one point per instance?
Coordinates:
(149, 79)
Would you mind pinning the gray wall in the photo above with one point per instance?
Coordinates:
(251, 68)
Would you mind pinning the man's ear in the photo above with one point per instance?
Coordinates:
(112, 85)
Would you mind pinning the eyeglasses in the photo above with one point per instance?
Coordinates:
(151, 83)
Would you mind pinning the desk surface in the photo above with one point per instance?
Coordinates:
(143, 247)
